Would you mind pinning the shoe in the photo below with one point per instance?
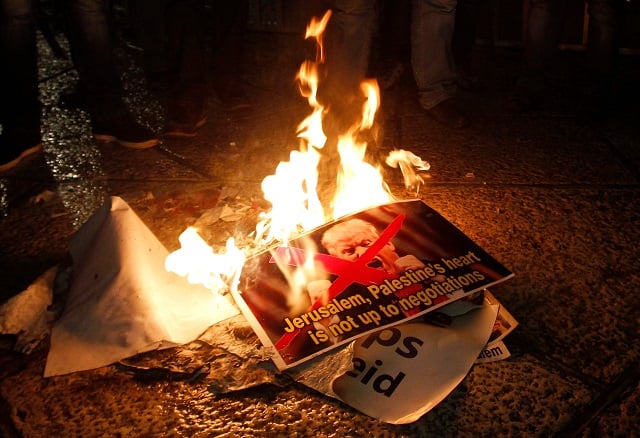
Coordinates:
(233, 103)
(10, 159)
(448, 113)
(183, 128)
(185, 115)
(233, 100)
(124, 131)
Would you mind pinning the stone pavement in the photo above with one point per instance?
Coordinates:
(554, 198)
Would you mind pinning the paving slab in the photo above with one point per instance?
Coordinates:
(109, 402)
(618, 418)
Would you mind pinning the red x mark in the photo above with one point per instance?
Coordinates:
(348, 272)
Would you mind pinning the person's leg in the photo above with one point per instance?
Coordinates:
(464, 38)
(347, 43)
(544, 25)
(229, 21)
(185, 59)
(19, 104)
(348, 39)
(92, 51)
(390, 57)
(602, 51)
(149, 16)
(91, 41)
(431, 55)
(432, 60)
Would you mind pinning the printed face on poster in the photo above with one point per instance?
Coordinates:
(364, 272)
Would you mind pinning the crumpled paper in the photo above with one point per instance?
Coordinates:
(228, 357)
(122, 301)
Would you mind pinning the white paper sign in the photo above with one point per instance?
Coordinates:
(400, 373)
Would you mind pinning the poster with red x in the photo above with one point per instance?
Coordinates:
(359, 274)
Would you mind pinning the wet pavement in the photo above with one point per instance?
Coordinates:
(552, 196)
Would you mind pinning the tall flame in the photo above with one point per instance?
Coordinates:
(292, 189)
(315, 29)
(359, 184)
(372, 92)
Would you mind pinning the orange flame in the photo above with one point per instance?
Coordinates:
(292, 189)
(372, 92)
(196, 261)
(359, 184)
(315, 29)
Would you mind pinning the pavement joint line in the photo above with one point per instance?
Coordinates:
(184, 162)
(611, 395)
(527, 345)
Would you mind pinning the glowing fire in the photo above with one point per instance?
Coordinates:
(196, 261)
(292, 189)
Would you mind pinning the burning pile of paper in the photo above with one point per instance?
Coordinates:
(380, 303)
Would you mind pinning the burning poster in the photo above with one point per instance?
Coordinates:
(360, 274)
